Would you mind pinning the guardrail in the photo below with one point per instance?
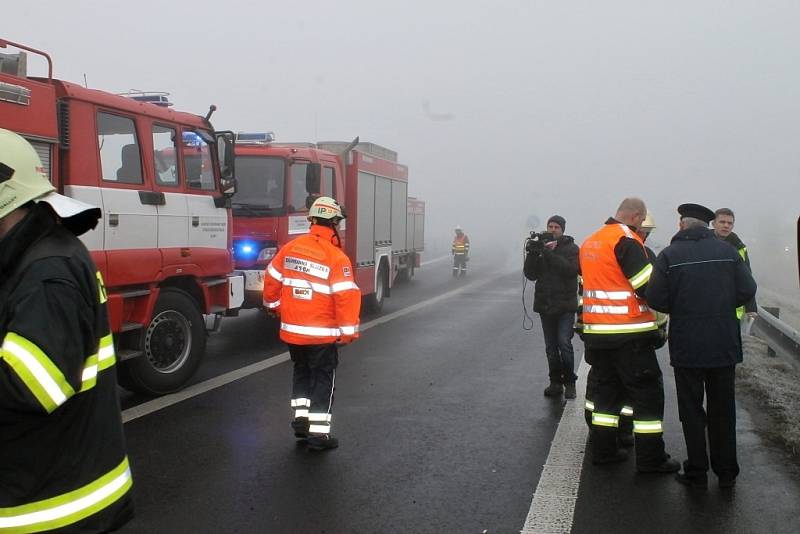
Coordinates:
(780, 337)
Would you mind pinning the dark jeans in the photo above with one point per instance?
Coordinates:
(718, 384)
(558, 332)
(631, 374)
(314, 377)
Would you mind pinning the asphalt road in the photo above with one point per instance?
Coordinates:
(442, 428)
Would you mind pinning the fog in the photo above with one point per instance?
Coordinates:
(502, 110)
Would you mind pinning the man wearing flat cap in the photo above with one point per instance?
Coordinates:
(699, 281)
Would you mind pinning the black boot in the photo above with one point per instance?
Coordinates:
(554, 389)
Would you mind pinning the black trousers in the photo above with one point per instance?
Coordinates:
(313, 384)
(625, 417)
(718, 384)
(628, 374)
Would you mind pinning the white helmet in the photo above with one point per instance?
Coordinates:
(325, 208)
(23, 178)
(458, 228)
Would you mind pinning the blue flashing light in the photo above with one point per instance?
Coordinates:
(192, 139)
(245, 250)
(255, 137)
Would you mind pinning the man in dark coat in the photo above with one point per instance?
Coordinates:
(700, 281)
(552, 262)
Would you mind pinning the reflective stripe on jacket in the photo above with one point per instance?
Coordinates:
(610, 303)
(311, 284)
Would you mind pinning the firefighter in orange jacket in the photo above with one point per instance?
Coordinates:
(618, 333)
(309, 284)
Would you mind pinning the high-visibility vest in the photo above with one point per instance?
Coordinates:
(310, 283)
(740, 310)
(461, 244)
(610, 303)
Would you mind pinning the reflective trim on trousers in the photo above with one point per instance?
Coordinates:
(647, 427)
(626, 410)
(71, 507)
(604, 419)
(589, 405)
(301, 402)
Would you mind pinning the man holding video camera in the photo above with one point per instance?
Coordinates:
(551, 260)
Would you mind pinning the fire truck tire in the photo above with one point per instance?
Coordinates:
(374, 301)
(173, 344)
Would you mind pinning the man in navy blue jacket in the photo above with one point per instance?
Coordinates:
(700, 281)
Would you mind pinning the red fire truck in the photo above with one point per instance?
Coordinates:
(163, 180)
(276, 183)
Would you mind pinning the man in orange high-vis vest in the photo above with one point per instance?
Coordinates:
(618, 331)
(310, 285)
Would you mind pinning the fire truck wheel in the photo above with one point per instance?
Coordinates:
(172, 344)
(374, 302)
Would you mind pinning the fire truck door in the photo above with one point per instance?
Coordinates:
(130, 218)
(173, 214)
(207, 224)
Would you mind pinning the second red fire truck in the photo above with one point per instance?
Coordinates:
(276, 183)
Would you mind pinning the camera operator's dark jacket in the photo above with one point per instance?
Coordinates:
(556, 275)
(699, 281)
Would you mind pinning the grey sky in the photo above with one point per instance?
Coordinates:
(500, 109)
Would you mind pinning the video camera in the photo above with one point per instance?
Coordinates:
(537, 240)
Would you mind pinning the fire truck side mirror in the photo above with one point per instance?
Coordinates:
(225, 144)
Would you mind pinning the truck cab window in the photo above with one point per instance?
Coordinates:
(120, 156)
(197, 162)
(165, 159)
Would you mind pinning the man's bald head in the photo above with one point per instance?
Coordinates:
(631, 211)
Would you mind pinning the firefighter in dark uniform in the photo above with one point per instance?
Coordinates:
(701, 281)
(618, 328)
(63, 464)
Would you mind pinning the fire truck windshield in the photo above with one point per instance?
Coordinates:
(260, 186)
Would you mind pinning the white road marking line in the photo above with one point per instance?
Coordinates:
(553, 506)
(160, 403)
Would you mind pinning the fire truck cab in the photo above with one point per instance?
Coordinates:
(277, 182)
(163, 180)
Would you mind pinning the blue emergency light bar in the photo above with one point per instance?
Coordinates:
(257, 138)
